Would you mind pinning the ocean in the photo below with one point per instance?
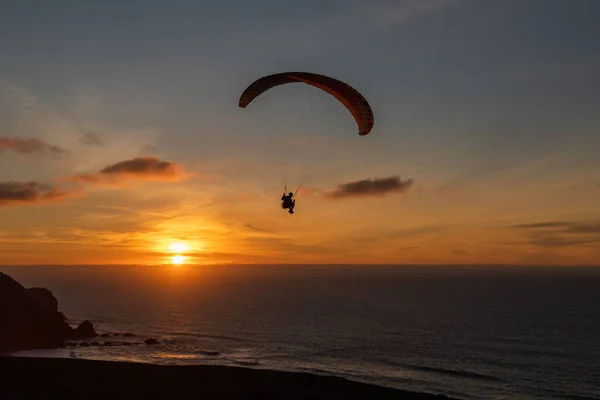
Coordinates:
(468, 332)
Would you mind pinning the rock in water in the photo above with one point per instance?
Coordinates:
(151, 341)
(85, 330)
(29, 318)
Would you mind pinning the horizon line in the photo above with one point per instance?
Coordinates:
(311, 264)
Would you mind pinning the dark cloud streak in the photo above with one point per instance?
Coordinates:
(564, 226)
(141, 168)
(29, 146)
(20, 193)
(554, 234)
(551, 224)
(89, 138)
(258, 229)
(371, 187)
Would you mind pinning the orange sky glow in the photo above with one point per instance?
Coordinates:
(135, 151)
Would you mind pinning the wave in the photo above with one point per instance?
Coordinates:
(198, 335)
(462, 373)
(313, 370)
(443, 371)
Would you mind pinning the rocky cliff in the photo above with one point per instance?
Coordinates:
(30, 319)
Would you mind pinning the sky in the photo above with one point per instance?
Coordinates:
(120, 132)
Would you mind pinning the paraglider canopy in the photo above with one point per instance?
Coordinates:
(344, 93)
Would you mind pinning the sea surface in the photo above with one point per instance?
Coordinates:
(467, 332)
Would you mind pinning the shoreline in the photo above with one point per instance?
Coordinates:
(32, 377)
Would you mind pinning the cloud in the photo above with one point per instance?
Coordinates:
(589, 227)
(123, 124)
(141, 168)
(29, 146)
(89, 138)
(584, 228)
(554, 241)
(257, 229)
(419, 232)
(371, 187)
(21, 193)
(551, 224)
(561, 233)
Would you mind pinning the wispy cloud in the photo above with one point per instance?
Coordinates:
(30, 146)
(552, 224)
(420, 232)
(141, 169)
(561, 233)
(258, 229)
(553, 241)
(22, 193)
(371, 188)
(564, 226)
(90, 138)
(75, 125)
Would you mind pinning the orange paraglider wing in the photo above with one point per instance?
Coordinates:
(344, 93)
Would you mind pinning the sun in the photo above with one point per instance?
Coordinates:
(179, 247)
(178, 260)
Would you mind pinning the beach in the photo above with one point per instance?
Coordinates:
(56, 378)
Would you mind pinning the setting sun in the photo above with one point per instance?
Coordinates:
(178, 260)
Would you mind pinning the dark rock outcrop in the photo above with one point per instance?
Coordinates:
(85, 330)
(150, 341)
(43, 299)
(29, 318)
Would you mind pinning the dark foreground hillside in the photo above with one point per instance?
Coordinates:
(45, 378)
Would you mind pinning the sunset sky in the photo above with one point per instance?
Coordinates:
(120, 132)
